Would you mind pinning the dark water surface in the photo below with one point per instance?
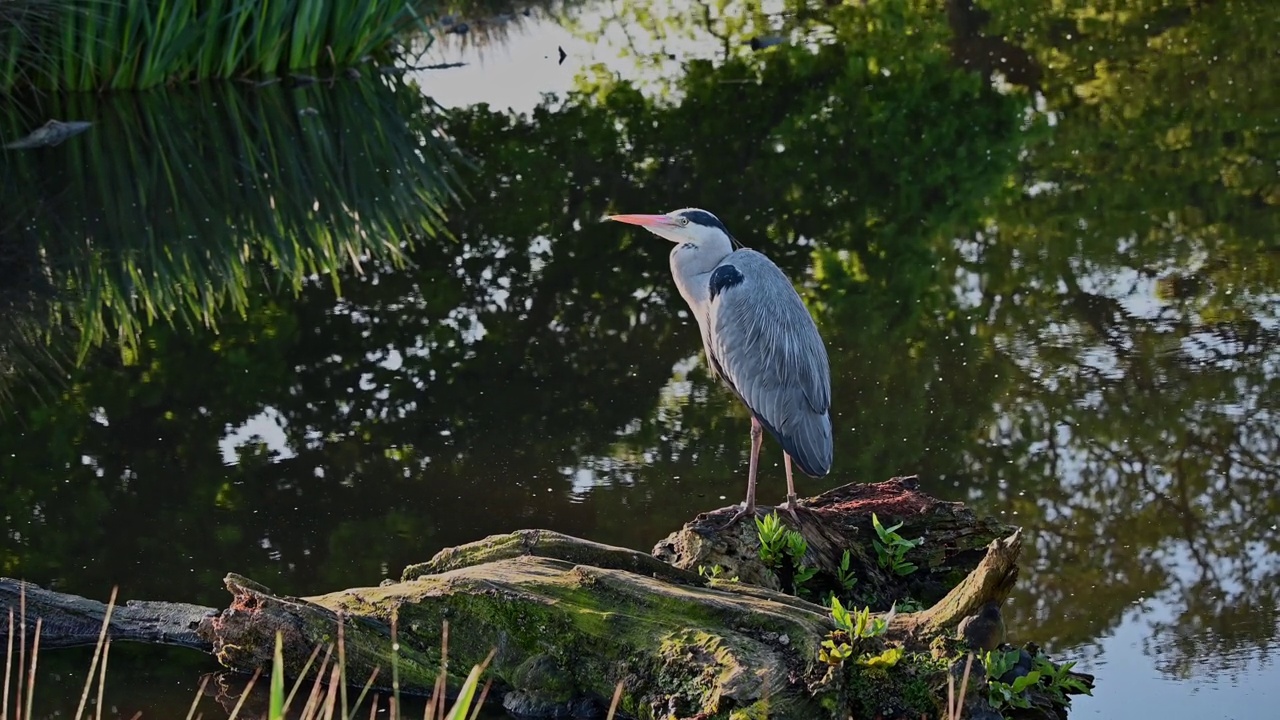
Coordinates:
(312, 335)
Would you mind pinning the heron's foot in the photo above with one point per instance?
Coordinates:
(790, 508)
(743, 512)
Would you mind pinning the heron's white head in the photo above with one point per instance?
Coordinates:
(687, 226)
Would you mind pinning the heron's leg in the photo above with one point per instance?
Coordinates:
(791, 489)
(749, 507)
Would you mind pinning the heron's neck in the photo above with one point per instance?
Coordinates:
(691, 265)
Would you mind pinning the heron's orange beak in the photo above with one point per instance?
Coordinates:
(643, 220)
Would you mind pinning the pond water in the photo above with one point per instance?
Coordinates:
(314, 334)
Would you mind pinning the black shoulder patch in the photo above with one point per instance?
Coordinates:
(723, 277)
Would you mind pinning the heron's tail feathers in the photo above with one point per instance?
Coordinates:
(807, 439)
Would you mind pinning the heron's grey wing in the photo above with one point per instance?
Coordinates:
(765, 345)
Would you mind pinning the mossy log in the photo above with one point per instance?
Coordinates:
(567, 619)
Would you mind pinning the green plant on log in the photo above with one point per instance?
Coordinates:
(891, 548)
(845, 576)
(782, 550)
(886, 659)
(1058, 680)
(715, 572)
(64, 45)
(909, 605)
(1011, 694)
(850, 629)
(772, 534)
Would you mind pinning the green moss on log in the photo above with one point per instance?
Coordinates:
(697, 649)
(908, 689)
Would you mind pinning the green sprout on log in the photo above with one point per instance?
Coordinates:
(1056, 681)
(782, 547)
(715, 572)
(1002, 694)
(909, 605)
(844, 575)
(1059, 679)
(850, 628)
(884, 660)
(891, 548)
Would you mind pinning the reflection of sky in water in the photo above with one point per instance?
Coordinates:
(1131, 686)
(1136, 679)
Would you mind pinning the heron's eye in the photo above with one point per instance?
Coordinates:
(684, 221)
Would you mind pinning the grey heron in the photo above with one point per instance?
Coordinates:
(758, 337)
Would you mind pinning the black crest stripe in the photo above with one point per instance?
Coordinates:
(704, 218)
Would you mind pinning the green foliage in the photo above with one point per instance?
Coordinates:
(275, 706)
(850, 629)
(715, 572)
(1002, 695)
(1058, 680)
(885, 660)
(891, 548)
(844, 575)
(1014, 693)
(908, 605)
(135, 44)
(779, 543)
(999, 662)
(773, 539)
(834, 650)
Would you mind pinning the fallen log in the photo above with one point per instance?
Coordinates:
(567, 619)
(71, 620)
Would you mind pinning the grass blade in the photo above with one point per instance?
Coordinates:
(8, 669)
(102, 678)
(244, 695)
(276, 707)
(617, 700)
(35, 657)
(297, 682)
(22, 646)
(466, 696)
(97, 651)
(199, 694)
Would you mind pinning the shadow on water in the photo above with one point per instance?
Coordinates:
(1060, 306)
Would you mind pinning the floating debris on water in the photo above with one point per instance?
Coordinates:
(50, 134)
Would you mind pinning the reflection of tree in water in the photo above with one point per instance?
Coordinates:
(1145, 452)
(1136, 292)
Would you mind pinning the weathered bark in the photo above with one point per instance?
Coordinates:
(840, 519)
(568, 619)
(561, 630)
(70, 620)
